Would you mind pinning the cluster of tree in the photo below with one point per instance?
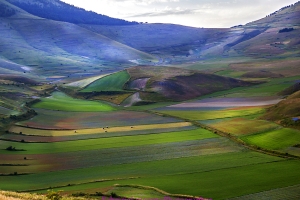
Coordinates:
(60, 11)
(6, 11)
(286, 30)
(290, 122)
(283, 8)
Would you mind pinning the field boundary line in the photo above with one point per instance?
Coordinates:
(231, 137)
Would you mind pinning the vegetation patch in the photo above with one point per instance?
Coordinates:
(217, 184)
(113, 142)
(84, 82)
(113, 82)
(243, 126)
(274, 140)
(285, 30)
(291, 192)
(86, 120)
(60, 101)
(216, 114)
(205, 164)
(106, 129)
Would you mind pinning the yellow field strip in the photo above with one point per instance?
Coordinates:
(40, 132)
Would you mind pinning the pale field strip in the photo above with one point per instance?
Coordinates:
(56, 133)
(85, 82)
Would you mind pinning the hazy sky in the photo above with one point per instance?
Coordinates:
(197, 13)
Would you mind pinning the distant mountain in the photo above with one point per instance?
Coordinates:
(60, 11)
(259, 39)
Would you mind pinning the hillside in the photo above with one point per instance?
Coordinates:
(156, 84)
(53, 50)
(286, 112)
(60, 11)
(175, 44)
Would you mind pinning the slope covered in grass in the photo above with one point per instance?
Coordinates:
(170, 83)
(285, 109)
(113, 82)
(275, 140)
(60, 101)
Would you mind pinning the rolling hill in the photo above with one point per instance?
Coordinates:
(156, 84)
(286, 112)
(258, 39)
(60, 11)
(52, 50)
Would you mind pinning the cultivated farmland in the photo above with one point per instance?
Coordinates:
(60, 101)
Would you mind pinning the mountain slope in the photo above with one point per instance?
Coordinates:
(60, 11)
(256, 39)
(273, 40)
(50, 48)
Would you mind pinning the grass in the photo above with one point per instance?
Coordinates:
(291, 192)
(275, 140)
(243, 126)
(270, 88)
(60, 101)
(84, 120)
(113, 82)
(216, 114)
(104, 143)
(84, 82)
(217, 184)
(38, 132)
(205, 164)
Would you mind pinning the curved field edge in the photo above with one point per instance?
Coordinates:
(142, 192)
(205, 164)
(84, 82)
(215, 184)
(112, 82)
(62, 102)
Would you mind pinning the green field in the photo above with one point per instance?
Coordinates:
(206, 165)
(271, 88)
(275, 140)
(103, 143)
(216, 114)
(219, 183)
(84, 82)
(113, 82)
(62, 102)
(243, 126)
(291, 192)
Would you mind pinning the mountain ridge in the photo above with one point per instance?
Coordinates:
(60, 11)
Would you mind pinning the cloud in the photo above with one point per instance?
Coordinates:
(165, 12)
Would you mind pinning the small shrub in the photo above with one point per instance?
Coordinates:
(79, 194)
(98, 194)
(113, 195)
(286, 30)
(52, 195)
(11, 148)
